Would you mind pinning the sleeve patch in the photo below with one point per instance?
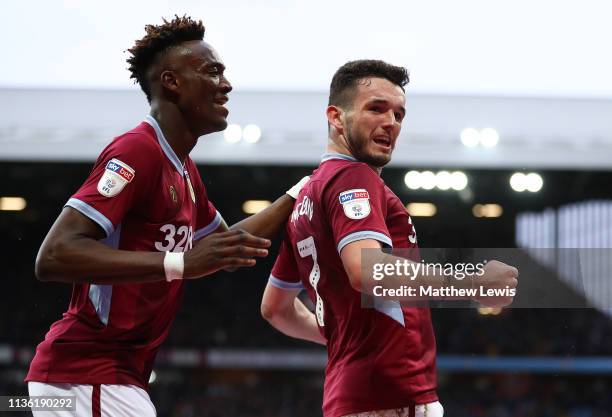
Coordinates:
(116, 176)
(355, 203)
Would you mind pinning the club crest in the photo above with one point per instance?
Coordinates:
(173, 194)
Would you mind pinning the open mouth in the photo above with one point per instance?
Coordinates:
(383, 141)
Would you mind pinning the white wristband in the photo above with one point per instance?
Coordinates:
(174, 265)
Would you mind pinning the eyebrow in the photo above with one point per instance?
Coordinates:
(383, 101)
(215, 64)
(219, 65)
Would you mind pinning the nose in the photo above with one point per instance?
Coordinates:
(225, 85)
(389, 121)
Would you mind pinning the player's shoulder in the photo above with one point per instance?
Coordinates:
(140, 140)
(339, 172)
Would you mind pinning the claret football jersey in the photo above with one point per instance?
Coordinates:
(144, 199)
(378, 358)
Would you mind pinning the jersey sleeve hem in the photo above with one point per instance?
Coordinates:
(284, 285)
(364, 234)
(93, 214)
(211, 227)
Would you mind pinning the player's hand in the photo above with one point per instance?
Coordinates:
(231, 249)
(497, 275)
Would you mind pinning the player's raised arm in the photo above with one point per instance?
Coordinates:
(269, 222)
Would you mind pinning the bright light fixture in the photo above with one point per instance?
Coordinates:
(444, 180)
(486, 311)
(428, 180)
(251, 133)
(518, 182)
(487, 210)
(422, 209)
(531, 182)
(413, 180)
(233, 133)
(12, 203)
(470, 137)
(534, 182)
(458, 181)
(255, 206)
(489, 137)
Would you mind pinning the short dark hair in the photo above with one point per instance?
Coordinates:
(159, 39)
(341, 90)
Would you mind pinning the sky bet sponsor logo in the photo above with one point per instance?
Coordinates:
(351, 195)
(115, 177)
(355, 203)
(120, 168)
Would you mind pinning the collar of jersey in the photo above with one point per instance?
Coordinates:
(332, 155)
(165, 145)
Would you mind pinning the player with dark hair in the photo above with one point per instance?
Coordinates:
(381, 360)
(138, 227)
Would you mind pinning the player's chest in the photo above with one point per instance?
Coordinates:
(172, 199)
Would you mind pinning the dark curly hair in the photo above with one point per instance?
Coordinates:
(341, 90)
(157, 41)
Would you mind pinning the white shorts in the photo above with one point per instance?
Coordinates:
(420, 410)
(97, 400)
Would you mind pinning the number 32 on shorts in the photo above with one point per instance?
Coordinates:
(176, 239)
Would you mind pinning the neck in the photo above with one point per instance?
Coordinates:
(175, 129)
(333, 147)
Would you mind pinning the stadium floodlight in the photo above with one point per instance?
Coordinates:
(533, 182)
(470, 137)
(251, 133)
(413, 180)
(255, 206)
(12, 203)
(458, 181)
(489, 137)
(518, 182)
(422, 209)
(233, 133)
(444, 180)
(428, 180)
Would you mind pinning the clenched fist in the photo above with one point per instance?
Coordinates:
(494, 286)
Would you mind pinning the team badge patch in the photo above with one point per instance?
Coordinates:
(356, 203)
(116, 176)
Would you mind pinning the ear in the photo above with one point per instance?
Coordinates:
(334, 118)
(169, 81)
